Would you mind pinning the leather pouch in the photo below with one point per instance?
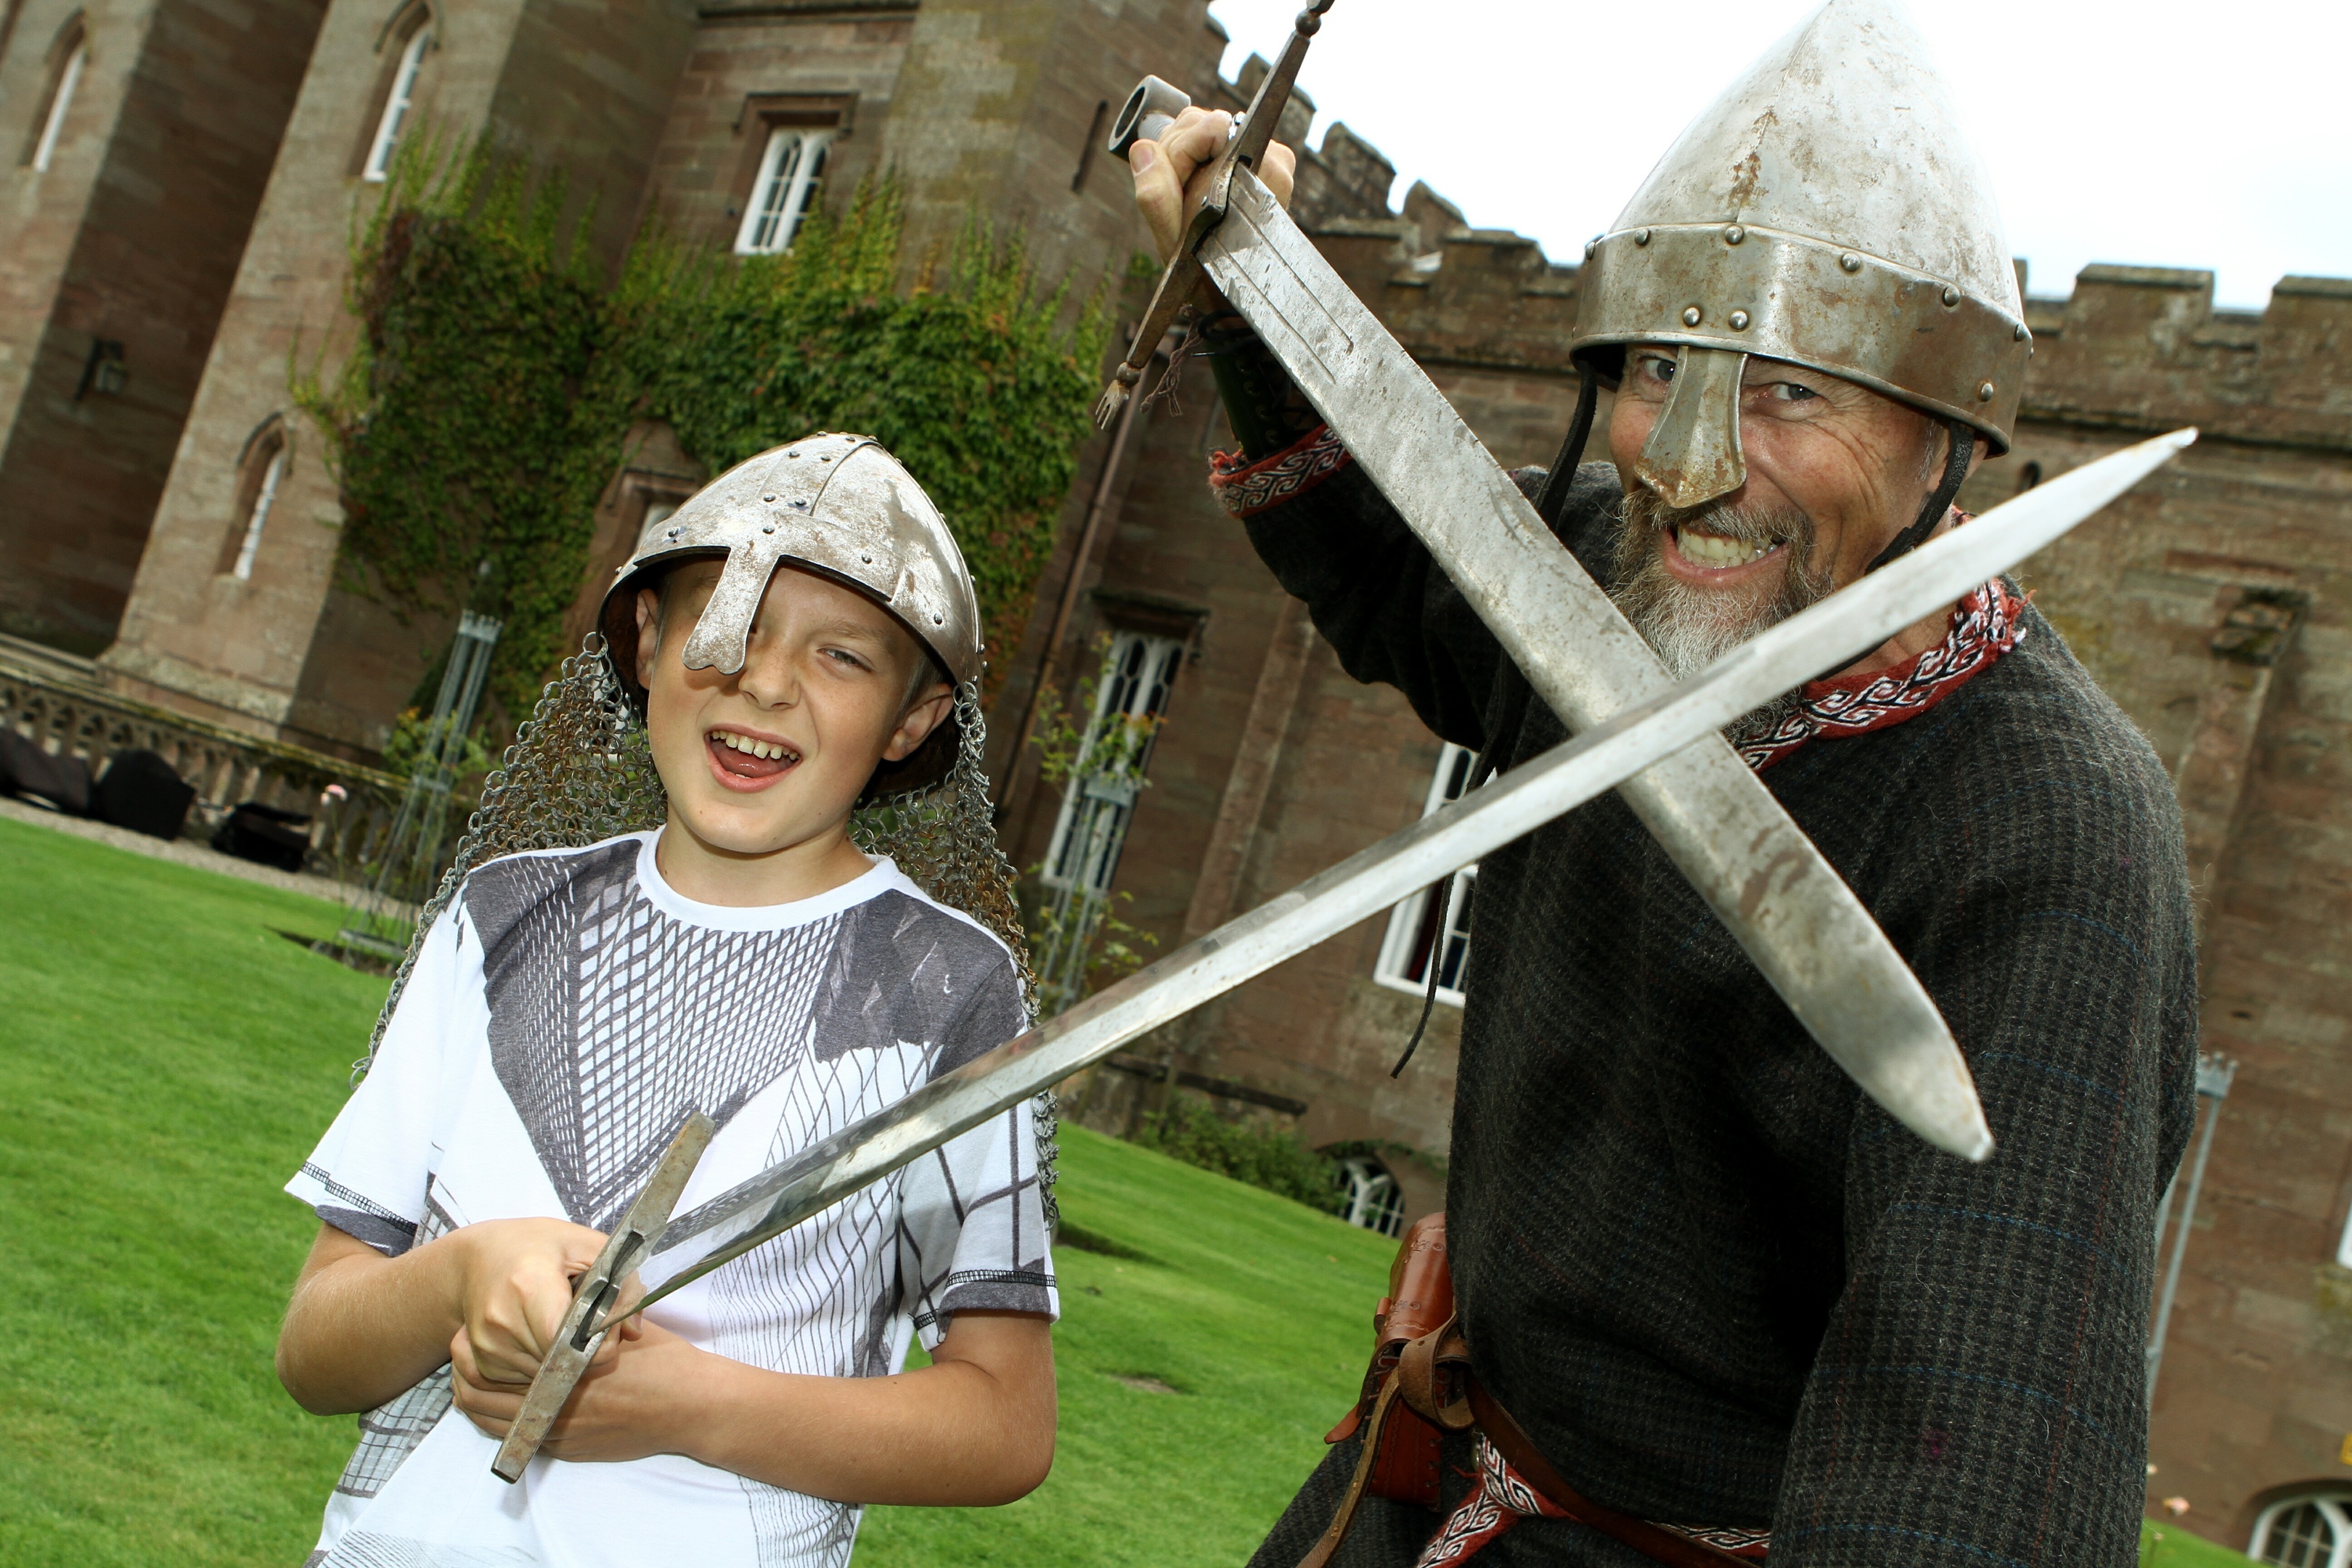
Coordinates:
(1405, 1459)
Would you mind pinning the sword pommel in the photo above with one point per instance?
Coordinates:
(1151, 108)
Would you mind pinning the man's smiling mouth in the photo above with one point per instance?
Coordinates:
(1716, 552)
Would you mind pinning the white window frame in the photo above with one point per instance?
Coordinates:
(1375, 1202)
(396, 104)
(263, 500)
(791, 171)
(53, 125)
(1451, 950)
(1139, 672)
(2344, 1247)
(2335, 1507)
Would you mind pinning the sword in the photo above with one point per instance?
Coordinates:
(1830, 634)
(1789, 911)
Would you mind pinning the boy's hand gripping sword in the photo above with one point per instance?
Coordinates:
(1669, 721)
(1790, 912)
(594, 1295)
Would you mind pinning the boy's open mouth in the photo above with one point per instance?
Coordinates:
(747, 757)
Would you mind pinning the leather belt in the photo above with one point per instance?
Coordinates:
(1431, 1379)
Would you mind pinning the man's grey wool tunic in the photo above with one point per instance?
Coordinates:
(1714, 1282)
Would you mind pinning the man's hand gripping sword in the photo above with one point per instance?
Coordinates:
(1600, 759)
(1148, 111)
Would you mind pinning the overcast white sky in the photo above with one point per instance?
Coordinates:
(2156, 133)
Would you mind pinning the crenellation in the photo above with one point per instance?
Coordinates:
(2143, 348)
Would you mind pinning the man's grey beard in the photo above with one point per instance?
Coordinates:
(1690, 629)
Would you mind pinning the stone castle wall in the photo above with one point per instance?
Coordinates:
(130, 238)
(2211, 602)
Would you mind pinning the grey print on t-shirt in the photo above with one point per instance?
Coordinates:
(610, 1020)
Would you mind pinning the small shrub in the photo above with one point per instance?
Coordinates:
(1187, 1129)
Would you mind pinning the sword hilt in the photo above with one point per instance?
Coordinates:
(1149, 110)
(594, 1295)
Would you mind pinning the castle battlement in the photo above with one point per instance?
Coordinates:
(2132, 348)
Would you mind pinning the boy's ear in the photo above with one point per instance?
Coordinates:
(922, 716)
(648, 636)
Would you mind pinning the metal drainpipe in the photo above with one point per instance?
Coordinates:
(1067, 606)
(2214, 1076)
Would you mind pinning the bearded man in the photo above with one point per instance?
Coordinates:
(1717, 1286)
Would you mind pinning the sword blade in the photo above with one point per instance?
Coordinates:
(1830, 633)
(1767, 883)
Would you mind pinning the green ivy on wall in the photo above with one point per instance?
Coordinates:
(486, 405)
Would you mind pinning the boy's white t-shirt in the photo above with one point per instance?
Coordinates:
(564, 1015)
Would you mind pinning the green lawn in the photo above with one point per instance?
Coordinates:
(2170, 1546)
(165, 1061)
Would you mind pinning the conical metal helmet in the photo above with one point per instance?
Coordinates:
(838, 505)
(1825, 210)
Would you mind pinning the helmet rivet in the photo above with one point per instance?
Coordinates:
(824, 459)
(939, 620)
(676, 531)
(1734, 235)
(1692, 316)
(1850, 261)
(1738, 320)
(1951, 296)
(802, 504)
(2022, 334)
(768, 528)
(868, 559)
(767, 498)
(1984, 393)
(1641, 236)
(793, 453)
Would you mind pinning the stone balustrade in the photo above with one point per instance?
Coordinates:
(62, 703)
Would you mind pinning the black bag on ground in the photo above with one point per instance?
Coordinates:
(266, 836)
(60, 782)
(142, 792)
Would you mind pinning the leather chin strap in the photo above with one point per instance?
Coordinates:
(1963, 438)
(1571, 451)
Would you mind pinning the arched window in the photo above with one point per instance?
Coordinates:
(259, 473)
(1374, 1200)
(791, 176)
(2307, 1531)
(67, 57)
(413, 31)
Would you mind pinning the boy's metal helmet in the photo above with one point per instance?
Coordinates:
(838, 505)
(1827, 211)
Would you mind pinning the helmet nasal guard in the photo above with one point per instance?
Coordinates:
(1825, 211)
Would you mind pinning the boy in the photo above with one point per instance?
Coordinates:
(800, 633)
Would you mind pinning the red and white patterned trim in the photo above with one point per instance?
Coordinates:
(1246, 488)
(1985, 625)
(1752, 1545)
(1499, 1501)
(1502, 1498)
